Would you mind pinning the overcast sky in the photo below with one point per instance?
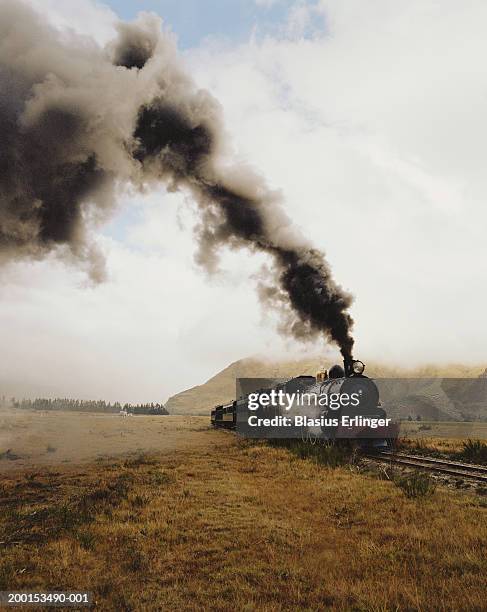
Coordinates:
(370, 117)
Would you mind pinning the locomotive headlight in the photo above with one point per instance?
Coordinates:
(358, 367)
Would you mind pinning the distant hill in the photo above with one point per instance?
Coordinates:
(221, 387)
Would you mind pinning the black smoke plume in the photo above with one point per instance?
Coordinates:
(136, 43)
(77, 121)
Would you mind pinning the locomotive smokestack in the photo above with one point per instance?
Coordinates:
(348, 365)
(76, 119)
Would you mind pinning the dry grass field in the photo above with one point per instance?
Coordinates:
(446, 430)
(212, 522)
(52, 438)
(458, 441)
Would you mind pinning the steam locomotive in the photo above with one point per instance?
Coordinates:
(333, 423)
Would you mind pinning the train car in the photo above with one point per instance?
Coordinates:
(224, 416)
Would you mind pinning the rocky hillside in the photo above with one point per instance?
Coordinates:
(221, 387)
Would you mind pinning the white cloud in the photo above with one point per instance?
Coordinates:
(266, 3)
(375, 131)
(158, 325)
(85, 17)
(299, 19)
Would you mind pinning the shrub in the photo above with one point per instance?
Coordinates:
(64, 516)
(135, 559)
(416, 485)
(331, 455)
(161, 478)
(474, 450)
(102, 499)
(86, 539)
(139, 460)
(139, 501)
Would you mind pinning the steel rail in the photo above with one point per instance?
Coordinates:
(451, 468)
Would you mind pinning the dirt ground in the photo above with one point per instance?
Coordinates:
(32, 439)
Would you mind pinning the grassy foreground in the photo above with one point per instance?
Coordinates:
(240, 527)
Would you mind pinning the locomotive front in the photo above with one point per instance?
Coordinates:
(356, 418)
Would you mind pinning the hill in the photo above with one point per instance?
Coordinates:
(220, 388)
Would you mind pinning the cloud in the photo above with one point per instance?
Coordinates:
(144, 334)
(374, 130)
(266, 3)
(383, 117)
(86, 17)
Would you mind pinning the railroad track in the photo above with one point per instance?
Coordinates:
(433, 464)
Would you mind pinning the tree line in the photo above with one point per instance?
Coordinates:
(75, 405)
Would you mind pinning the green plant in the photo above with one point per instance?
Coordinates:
(135, 559)
(416, 485)
(64, 516)
(474, 450)
(139, 460)
(140, 501)
(86, 539)
(327, 454)
(162, 478)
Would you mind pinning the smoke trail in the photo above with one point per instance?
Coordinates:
(76, 120)
(136, 42)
